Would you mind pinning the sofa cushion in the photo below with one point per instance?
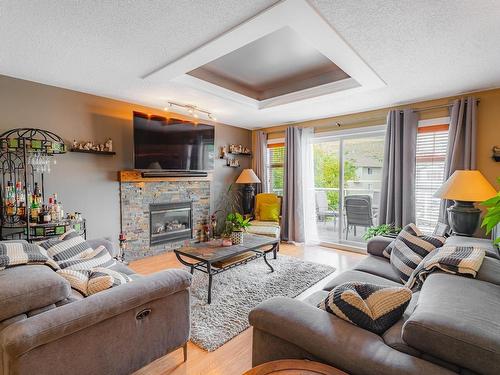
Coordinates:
(410, 248)
(393, 338)
(457, 319)
(354, 275)
(377, 245)
(264, 228)
(489, 270)
(378, 266)
(30, 287)
(369, 306)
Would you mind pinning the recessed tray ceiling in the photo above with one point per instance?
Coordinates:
(279, 63)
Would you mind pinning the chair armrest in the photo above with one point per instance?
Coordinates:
(334, 340)
(377, 244)
(95, 243)
(23, 336)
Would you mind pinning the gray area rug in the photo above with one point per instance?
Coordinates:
(237, 291)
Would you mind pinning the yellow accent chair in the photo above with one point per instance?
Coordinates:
(267, 215)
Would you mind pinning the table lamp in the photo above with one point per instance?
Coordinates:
(465, 188)
(248, 177)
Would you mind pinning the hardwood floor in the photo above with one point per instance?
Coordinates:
(234, 357)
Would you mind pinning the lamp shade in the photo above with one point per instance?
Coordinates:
(466, 186)
(248, 176)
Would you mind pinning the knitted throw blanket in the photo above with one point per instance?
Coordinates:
(459, 260)
(18, 253)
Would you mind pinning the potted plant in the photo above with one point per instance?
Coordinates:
(492, 217)
(237, 225)
(381, 230)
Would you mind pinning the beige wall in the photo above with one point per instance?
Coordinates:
(84, 182)
(488, 122)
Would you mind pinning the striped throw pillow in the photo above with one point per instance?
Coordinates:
(89, 282)
(72, 251)
(371, 307)
(409, 248)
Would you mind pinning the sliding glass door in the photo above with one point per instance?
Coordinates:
(347, 182)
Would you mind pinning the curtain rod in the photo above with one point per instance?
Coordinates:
(341, 123)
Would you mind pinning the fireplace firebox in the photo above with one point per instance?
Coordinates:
(170, 222)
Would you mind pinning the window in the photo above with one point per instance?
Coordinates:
(275, 167)
(369, 170)
(431, 154)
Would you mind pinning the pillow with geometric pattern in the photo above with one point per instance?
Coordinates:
(409, 248)
(372, 307)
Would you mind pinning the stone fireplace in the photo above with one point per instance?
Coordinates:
(161, 214)
(170, 222)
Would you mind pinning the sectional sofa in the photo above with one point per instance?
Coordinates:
(48, 328)
(451, 326)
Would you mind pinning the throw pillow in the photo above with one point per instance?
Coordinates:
(71, 250)
(89, 282)
(409, 248)
(371, 307)
(270, 212)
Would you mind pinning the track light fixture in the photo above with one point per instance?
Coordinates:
(191, 109)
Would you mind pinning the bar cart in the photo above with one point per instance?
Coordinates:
(26, 154)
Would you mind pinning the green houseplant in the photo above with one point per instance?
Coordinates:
(492, 217)
(380, 230)
(236, 224)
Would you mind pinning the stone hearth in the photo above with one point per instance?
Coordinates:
(136, 198)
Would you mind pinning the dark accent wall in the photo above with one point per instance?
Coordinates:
(88, 183)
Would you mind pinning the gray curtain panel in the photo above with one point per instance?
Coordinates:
(397, 198)
(461, 149)
(260, 161)
(293, 202)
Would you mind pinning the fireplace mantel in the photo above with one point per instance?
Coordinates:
(136, 176)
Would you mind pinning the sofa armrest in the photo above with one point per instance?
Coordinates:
(333, 340)
(95, 243)
(50, 326)
(377, 244)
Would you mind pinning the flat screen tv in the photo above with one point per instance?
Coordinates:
(172, 144)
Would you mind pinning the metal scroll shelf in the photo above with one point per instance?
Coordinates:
(25, 155)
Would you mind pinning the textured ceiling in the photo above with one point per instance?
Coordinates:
(421, 49)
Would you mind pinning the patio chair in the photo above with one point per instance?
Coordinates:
(358, 211)
(323, 211)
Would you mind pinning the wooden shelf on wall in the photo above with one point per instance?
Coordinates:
(136, 176)
(93, 152)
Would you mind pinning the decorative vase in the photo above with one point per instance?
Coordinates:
(237, 237)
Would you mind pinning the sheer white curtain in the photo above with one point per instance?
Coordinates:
(310, 227)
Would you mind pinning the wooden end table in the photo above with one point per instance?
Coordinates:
(213, 258)
(295, 367)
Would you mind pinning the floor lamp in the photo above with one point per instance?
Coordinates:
(248, 178)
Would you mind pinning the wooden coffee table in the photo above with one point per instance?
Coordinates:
(213, 258)
(294, 367)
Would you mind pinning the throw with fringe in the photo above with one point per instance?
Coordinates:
(23, 253)
(458, 260)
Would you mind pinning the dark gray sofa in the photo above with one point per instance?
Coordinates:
(451, 326)
(47, 328)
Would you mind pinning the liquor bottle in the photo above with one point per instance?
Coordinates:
(35, 209)
(46, 215)
(10, 199)
(36, 192)
(52, 209)
(20, 199)
(60, 211)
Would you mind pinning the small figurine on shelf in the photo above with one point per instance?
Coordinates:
(109, 145)
(223, 152)
(75, 145)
